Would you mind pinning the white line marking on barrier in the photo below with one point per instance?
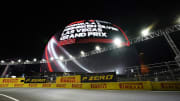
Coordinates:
(9, 97)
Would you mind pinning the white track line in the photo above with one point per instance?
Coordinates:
(9, 97)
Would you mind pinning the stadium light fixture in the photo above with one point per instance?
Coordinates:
(97, 48)
(82, 53)
(2, 61)
(13, 76)
(145, 32)
(132, 70)
(61, 58)
(43, 60)
(117, 72)
(71, 56)
(52, 58)
(34, 59)
(117, 42)
(12, 62)
(27, 61)
(19, 60)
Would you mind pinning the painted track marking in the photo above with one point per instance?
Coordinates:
(9, 97)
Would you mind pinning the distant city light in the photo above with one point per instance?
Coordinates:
(117, 42)
(97, 48)
(61, 58)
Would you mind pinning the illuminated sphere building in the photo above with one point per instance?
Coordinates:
(64, 51)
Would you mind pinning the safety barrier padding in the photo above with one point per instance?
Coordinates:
(73, 82)
(109, 85)
(68, 79)
(141, 85)
(12, 80)
(4, 85)
(168, 86)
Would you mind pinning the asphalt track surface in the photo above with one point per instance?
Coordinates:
(54, 94)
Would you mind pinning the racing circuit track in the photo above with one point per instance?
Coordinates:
(54, 94)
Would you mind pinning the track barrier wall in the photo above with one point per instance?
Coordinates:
(73, 82)
(166, 85)
(68, 79)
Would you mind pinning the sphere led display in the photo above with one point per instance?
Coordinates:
(76, 39)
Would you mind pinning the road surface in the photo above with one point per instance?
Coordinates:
(53, 94)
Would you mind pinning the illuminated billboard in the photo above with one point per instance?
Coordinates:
(81, 36)
(91, 31)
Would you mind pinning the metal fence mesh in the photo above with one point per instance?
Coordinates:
(164, 71)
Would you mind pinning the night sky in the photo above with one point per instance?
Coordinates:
(25, 30)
